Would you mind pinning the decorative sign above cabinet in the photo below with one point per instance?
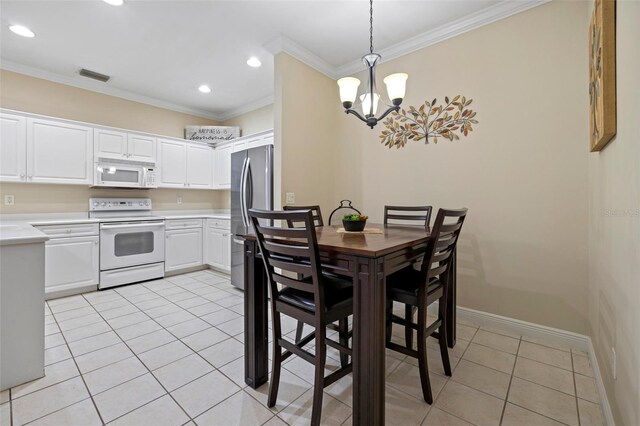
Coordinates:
(211, 134)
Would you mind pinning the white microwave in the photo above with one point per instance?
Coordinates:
(125, 175)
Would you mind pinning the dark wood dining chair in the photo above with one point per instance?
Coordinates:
(317, 221)
(315, 212)
(420, 289)
(408, 215)
(312, 297)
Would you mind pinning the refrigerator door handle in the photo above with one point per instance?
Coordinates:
(243, 177)
(268, 183)
(245, 211)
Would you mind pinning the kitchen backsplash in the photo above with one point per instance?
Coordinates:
(34, 198)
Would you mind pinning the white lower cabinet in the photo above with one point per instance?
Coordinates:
(183, 248)
(217, 244)
(71, 265)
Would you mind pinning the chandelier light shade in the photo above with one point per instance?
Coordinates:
(396, 87)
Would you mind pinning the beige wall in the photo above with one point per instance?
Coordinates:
(522, 172)
(614, 231)
(253, 121)
(25, 93)
(304, 138)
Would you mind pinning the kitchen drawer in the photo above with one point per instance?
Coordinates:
(219, 223)
(69, 230)
(183, 223)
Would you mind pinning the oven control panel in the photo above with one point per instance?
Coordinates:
(119, 204)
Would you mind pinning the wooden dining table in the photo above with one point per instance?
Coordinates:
(368, 259)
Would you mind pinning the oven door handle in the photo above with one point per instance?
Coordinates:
(132, 225)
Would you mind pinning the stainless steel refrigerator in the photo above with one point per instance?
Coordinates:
(251, 187)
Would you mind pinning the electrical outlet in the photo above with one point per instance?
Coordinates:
(291, 197)
(9, 200)
(179, 200)
(614, 363)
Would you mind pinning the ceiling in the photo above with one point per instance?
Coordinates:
(161, 51)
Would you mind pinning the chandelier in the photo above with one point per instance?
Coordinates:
(396, 85)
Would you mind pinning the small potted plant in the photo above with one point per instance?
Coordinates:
(354, 222)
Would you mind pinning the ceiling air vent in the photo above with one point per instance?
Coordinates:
(94, 75)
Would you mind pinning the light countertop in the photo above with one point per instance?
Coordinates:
(19, 228)
(20, 233)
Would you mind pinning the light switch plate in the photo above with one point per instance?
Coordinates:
(291, 197)
(9, 200)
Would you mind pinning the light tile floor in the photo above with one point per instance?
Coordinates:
(170, 352)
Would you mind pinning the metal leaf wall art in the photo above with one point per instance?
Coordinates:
(429, 122)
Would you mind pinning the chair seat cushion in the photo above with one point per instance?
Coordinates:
(406, 282)
(337, 291)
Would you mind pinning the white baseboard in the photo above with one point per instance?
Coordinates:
(604, 401)
(550, 334)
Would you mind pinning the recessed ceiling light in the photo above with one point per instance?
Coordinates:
(114, 2)
(204, 89)
(254, 62)
(23, 31)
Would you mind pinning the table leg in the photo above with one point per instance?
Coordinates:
(369, 343)
(451, 301)
(256, 354)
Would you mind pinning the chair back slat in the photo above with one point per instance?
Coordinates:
(293, 283)
(285, 233)
(408, 214)
(286, 248)
(315, 213)
(300, 268)
(442, 244)
(293, 251)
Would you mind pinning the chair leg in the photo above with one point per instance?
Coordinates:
(389, 324)
(299, 330)
(423, 364)
(408, 331)
(442, 335)
(276, 362)
(318, 385)
(343, 327)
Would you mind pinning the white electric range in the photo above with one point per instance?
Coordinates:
(131, 240)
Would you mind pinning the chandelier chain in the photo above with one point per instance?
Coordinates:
(371, 26)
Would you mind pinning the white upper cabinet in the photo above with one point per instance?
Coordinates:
(222, 157)
(124, 146)
(141, 148)
(199, 166)
(59, 152)
(110, 144)
(13, 148)
(184, 165)
(222, 167)
(172, 164)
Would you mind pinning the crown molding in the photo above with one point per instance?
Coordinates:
(460, 26)
(290, 47)
(94, 86)
(243, 109)
(470, 22)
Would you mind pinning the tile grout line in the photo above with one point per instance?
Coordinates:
(146, 367)
(513, 369)
(80, 375)
(575, 388)
(448, 379)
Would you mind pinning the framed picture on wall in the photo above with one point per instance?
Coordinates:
(602, 74)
